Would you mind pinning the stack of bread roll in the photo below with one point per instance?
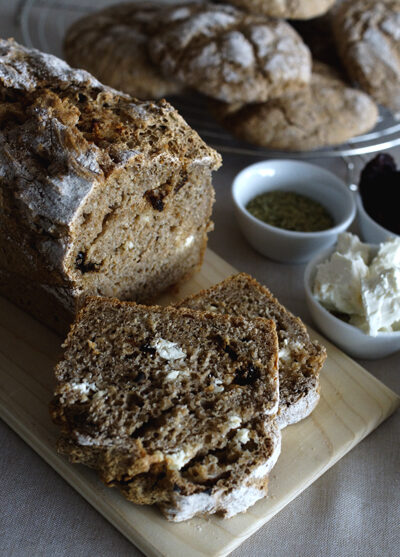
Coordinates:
(255, 67)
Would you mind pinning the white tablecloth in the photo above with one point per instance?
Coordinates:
(353, 510)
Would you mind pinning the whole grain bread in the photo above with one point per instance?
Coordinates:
(328, 112)
(300, 359)
(228, 54)
(101, 193)
(172, 406)
(112, 45)
(368, 40)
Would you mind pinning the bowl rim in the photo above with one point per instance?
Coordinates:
(369, 219)
(320, 257)
(342, 225)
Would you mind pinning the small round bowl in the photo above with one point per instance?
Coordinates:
(301, 177)
(371, 231)
(349, 338)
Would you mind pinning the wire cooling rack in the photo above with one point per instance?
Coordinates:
(43, 24)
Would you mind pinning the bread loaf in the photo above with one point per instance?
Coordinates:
(100, 193)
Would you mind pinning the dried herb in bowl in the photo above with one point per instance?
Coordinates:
(290, 211)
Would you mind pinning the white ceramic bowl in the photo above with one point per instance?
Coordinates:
(371, 231)
(301, 177)
(349, 338)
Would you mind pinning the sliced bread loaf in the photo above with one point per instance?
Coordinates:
(300, 359)
(163, 402)
(101, 194)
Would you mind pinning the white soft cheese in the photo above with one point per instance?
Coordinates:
(189, 241)
(286, 351)
(338, 283)
(381, 301)
(242, 435)
(175, 373)
(168, 350)
(88, 440)
(368, 291)
(218, 386)
(234, 421)
(175, 461)
(183, 243)
(83, 387)
(350, 244)
(388, 256)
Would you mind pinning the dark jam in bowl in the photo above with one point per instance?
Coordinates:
(380, 191)
(290, 211)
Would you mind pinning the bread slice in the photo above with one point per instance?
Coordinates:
(300, 359)
(173, 406)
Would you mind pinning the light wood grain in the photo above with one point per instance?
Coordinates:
(353, 403)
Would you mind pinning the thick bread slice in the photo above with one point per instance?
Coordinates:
(300, 359)
(161, 400)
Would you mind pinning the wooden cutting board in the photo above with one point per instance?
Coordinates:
(353, 403)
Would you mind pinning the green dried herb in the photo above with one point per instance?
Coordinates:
(291, 211)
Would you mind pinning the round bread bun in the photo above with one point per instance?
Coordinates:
(327, 113)
(367, 33)
(230, 55)
(112, 45)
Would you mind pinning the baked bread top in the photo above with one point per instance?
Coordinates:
(156, 398)
(328, 112)
(288, 9)
(368, 39)
(228, 54)
(300, 359)
(112, 45)
(63, 135)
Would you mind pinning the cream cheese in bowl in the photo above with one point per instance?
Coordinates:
(353, 293)
(362, 283)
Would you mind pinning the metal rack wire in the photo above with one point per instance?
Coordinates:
(43, 24)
